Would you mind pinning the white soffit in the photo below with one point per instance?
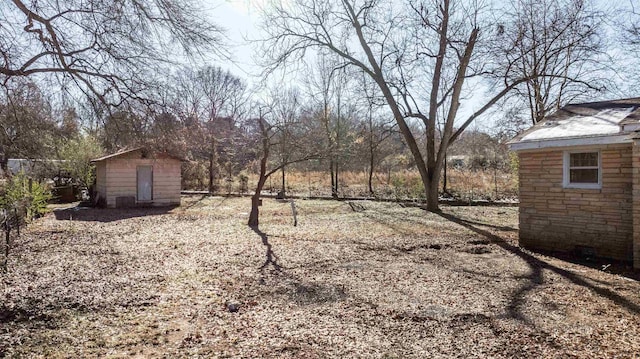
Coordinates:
(571, 142)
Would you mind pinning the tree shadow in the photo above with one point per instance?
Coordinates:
(535, 276)
(296, 289)
(106, 215)
(608, 265)
(209, 206)
(476, 223)
(317, 293)
(196, 202)
(271, 257)
(383, 217)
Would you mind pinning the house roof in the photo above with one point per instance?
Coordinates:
(128, 152)
(603, 122)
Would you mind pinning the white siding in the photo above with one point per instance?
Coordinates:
(101, 179)
(121, 179)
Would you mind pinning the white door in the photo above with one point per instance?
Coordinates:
(145, 183)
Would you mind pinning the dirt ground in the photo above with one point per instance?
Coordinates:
(382, 281)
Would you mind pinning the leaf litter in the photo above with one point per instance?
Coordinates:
(381, 282)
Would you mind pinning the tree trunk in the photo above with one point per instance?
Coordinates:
(212, 166)
(495, 173)
(444, 175)
(211, 175)
(431, 188)
(7, 243)
(371, 153)
(370, 180)
(283, 192)
(378, 77)
(254, 215)
(337, 169)
(334, 194)
(337, 155)
(4, 165)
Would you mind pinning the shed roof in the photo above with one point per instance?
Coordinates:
(583, 124)
(129, 152)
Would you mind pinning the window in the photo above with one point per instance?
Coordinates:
(582, 169)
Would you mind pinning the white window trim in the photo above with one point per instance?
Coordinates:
(565, 173)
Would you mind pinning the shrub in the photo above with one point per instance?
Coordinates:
(30, 197)
(244, 183)
(514, 163)
(195, 175)
(77, 154)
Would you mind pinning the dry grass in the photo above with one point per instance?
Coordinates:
(462, 183)
(387, 282)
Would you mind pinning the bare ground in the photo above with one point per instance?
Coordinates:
(384, 282)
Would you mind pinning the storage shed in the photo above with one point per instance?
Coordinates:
(138, 177)
(579, 179)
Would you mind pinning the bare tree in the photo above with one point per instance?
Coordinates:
(557, 46)
(419, 55)
(224, 95)
(319, 86)
(27, 128)
(328, 85)
(125, 127)
(214, 99)
(263, 128)
(284, 138)
(632, 26)
(103, 47)
(364, 35)
(167, 133)
(377, 129)
(373, 129)
(626, 25)
(285, 113)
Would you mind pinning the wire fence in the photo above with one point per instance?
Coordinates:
(11, 220)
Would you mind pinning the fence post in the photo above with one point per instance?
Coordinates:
(7, 229)
(294, 212)
(17, 219)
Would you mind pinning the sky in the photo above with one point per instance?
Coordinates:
(241, 20)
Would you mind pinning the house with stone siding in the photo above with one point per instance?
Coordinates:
(579, 179)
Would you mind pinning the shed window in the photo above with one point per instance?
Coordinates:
(582, 169)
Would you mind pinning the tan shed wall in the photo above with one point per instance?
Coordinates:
(101, 179)
(559, 219)
(122, 179)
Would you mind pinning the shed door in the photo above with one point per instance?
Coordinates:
(145, 183)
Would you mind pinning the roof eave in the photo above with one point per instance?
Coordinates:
(570, 142)
(115, 155)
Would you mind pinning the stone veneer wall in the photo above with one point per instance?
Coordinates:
(559, 219)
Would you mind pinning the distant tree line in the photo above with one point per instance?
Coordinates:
(371, 86)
